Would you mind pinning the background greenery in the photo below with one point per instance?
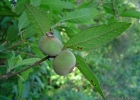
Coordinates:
(115, 64)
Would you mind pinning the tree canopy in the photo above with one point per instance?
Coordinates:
(103, 35)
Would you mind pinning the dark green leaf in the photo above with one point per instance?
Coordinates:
(90, 4)
(37, 51)
(26, 73)
(57, 34)
(12, 33)
(96, 36)
(57, 4)
(87, 72)
(108, 8)
(7, 13)
(4, 55)
(26, 89)
(20, 86)
(28, 61)
(1, 5)
(23, 78)
(5, 21)
(38, 19)
(23, 21)
(35, 3)
(39, 81)
(10, 61)
(80, 16)
(112, 20)
(121, 9)
(131, 13)
(15, 61)
(20, 6)
(1, 47)
(29, 32)
(4, 98)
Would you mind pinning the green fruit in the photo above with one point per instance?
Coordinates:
(64, 63)
(50, 45)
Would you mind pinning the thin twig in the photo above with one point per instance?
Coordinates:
(13, 45)
(113, 8)
(29, 54)
(5, 76)
(4, 43)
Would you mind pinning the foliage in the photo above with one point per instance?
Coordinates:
(92, 29)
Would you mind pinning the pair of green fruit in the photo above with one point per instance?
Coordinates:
(64, 61)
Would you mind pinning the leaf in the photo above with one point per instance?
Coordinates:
(23, 21)
(11, 59)
(80, 16)
(12, 33)
(96, 36)
(28, 61)
(121, 9)
(24, 75)
(29, 32)
(35, 3)
(108, 8)
(37, 51)
(39, 81)
(7, 13)
(57, 4)
(20, 86)
(4, 54)
(112, 20)
(15, 61)
(38, 19)
(7, 4)
(19, 7)
(131, 13)
(4, 98)
(87, 72)
(50, 14)
(90, 4)
(26, 89)
(5, 21)
(1, 5)
(57, 34)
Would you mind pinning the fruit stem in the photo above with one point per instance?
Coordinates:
(49, 33)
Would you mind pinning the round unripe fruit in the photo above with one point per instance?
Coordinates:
(64, 63)
(50, 45)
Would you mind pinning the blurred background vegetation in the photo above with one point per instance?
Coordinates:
(115, 64)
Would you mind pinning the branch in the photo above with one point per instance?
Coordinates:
(29, 54)
(13, 45)
(5, 76)
(114, 8)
